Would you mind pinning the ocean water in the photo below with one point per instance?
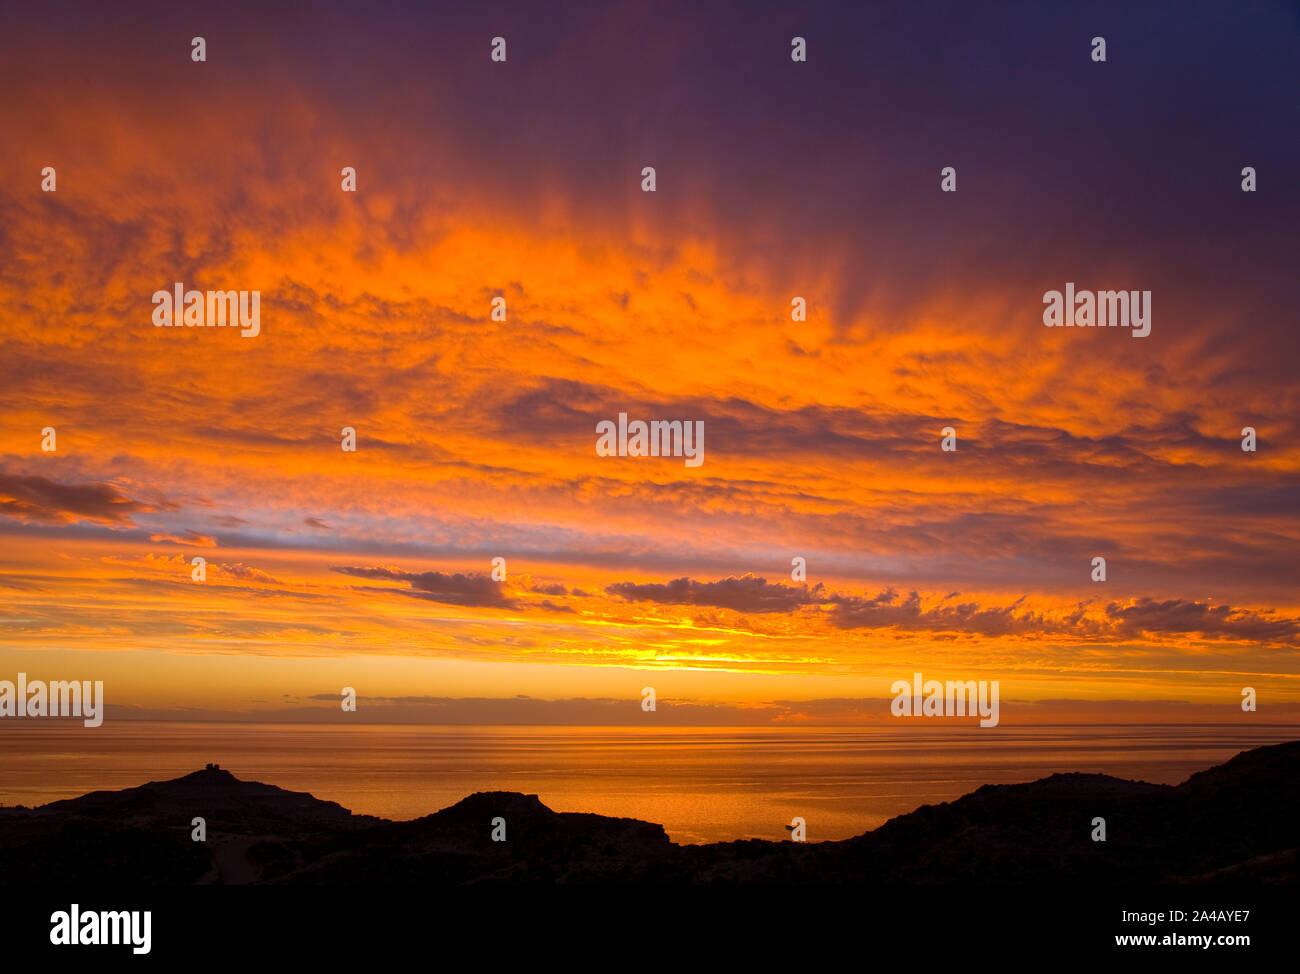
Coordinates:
(701, 784)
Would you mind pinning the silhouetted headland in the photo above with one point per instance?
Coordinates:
(1238, 822)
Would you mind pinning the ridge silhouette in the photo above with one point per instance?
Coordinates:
(1238, 822)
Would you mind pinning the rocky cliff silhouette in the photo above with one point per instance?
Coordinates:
(1238, 822)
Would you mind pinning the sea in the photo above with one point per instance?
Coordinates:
(703, 784)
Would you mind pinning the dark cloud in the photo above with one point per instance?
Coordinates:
(747, 594)
(888, 610)
(550, 606)
(190, 538)
(473, 589)
(245, 573)
(44, 500)
(1149, 616)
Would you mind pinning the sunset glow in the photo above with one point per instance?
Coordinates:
(476, 438)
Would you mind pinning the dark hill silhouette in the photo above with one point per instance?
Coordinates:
(1238, 822)
(219, 793)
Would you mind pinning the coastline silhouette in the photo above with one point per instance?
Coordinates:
(1237, 822)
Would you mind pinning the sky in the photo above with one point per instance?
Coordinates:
(476, 438)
